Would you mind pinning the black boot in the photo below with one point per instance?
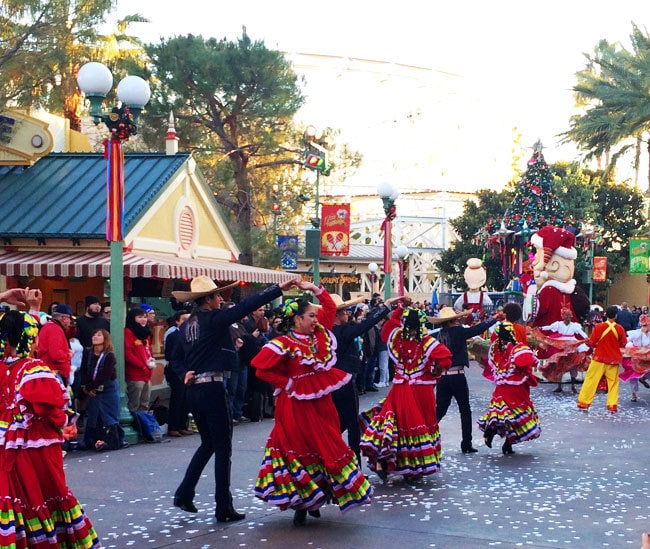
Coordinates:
(382, 470)
(300, 517)
(507, 448)
(488, 435)
(315, 513)
(230, 516)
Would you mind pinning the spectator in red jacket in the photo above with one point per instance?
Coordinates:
(138, 359)
(53, 345)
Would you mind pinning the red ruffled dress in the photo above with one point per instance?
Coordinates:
(38, 509)
(511, 413)
(402, 430)
(306, 461)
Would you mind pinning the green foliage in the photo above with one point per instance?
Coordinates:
(614, 87)
(451, 263)
(234, 104)
(616, 210)
(43, 44)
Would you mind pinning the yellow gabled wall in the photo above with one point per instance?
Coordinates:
(158, 227)
(161, 224)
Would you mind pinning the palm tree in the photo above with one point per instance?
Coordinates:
(614, 85)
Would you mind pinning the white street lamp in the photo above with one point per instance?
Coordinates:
(388, 193)
(95, 81)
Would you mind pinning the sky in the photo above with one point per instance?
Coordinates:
(515, 60)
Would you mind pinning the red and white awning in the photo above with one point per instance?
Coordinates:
(98, 264)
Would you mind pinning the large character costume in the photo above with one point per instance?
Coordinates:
(553, 269)
(474, 298)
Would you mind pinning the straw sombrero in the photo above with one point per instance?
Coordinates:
(201, 286)
(447, 314)
(340, 304)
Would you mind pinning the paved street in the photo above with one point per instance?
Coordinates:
(583, 484)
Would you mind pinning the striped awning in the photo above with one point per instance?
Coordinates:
(98, 264)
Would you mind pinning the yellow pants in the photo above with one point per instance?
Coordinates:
(595, 371)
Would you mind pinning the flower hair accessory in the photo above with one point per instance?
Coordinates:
(413, 318)
(290, 307)
(27, 339)
(505, 330)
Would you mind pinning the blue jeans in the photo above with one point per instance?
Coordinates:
(105, 406)
(371, 364)
(237, 386)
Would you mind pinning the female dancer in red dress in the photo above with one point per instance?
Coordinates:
(306, 461)
(37, 508)
(511, 413)
(401, 434)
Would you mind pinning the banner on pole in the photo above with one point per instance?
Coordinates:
(335, 230)
(599, 270)
(639, 255)
(288, 245)
(114, 190)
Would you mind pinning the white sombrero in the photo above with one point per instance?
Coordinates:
(201, 286)
(446, 314)
(340, 304)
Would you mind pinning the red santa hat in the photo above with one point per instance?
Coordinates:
(555, 240)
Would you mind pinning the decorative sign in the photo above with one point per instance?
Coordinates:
(335, 230)
(333, 278)
(23, 139)
(289, 247)
(599, 272)
(638, 255)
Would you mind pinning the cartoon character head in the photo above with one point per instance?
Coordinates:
(555, 255)
(475, 274)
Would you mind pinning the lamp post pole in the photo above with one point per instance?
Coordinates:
(591, 270)
(589, 236)
(95, 81)
(317, 221)
(402, 253)
(388, 194)
(316, 158)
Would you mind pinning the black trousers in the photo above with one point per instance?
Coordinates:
(455, 386)
(177, 419)
(209, 405)
(346, 401)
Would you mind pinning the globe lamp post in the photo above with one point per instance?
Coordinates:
(95, 81)
(388, 194)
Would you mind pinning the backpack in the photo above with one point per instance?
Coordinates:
(147, 427)
(159, 411)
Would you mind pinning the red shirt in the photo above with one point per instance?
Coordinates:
(607, 339)
(54, 348)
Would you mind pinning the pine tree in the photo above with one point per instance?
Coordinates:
(536, 203)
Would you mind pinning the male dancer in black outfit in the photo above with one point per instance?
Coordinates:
(208, 351)
(453, 383)
(348, 359)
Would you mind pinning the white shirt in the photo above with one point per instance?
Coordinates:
(568, 332)
(75, 361)
(636, 338)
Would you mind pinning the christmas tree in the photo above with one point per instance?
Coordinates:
(535, 205)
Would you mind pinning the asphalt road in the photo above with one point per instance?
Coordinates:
(583, 484)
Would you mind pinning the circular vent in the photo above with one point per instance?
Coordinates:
(186, 228)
